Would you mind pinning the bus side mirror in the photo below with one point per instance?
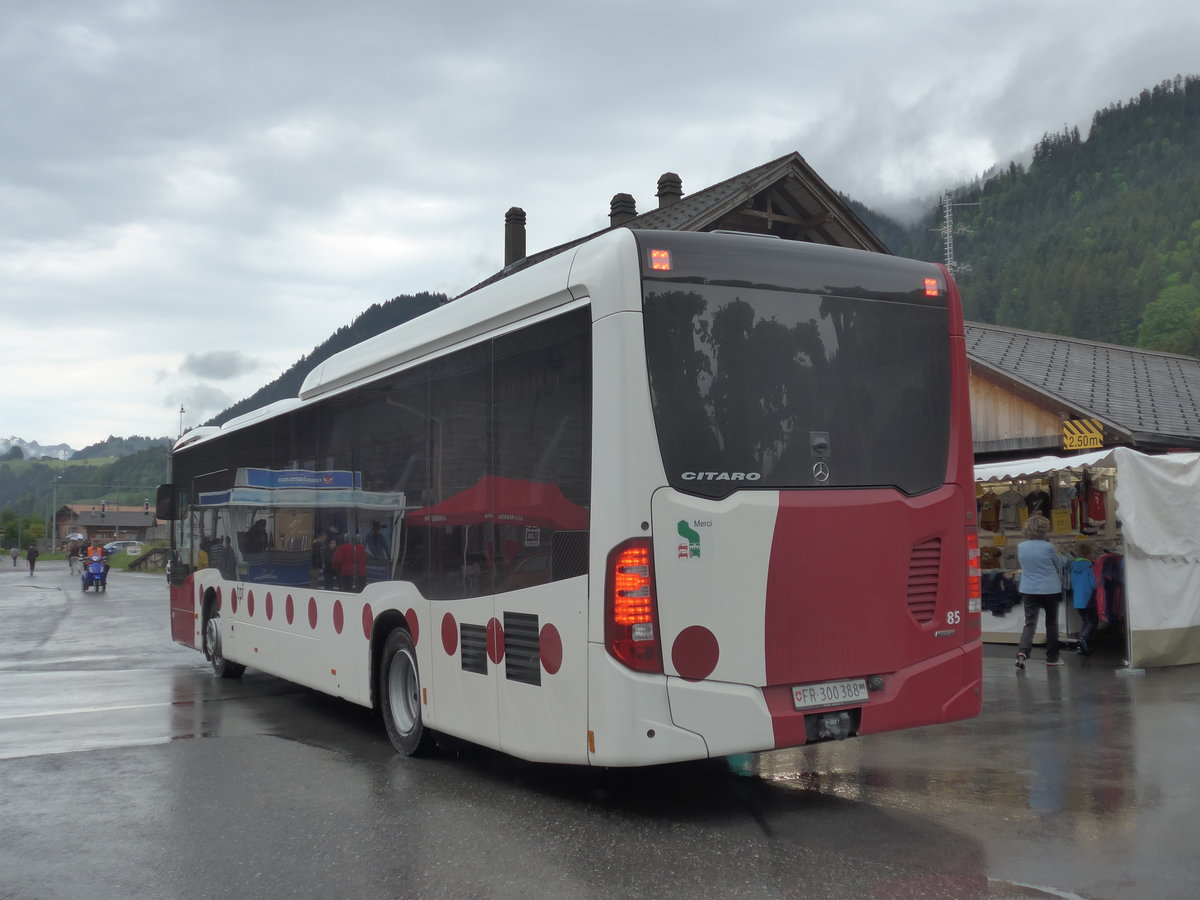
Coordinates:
(165, 503)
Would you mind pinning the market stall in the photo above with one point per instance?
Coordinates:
(1138, 514)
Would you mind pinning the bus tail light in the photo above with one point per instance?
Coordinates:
(974, 575)
(630, 608)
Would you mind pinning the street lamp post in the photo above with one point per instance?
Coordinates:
(54, 516)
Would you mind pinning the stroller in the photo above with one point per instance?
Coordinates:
(95, 572)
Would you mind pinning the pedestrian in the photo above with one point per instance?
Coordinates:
(31, 557)
(1083, 593)
(1041, 588)
(15, 554)
(73, 556)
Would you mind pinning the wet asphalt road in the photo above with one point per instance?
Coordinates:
(127, 771)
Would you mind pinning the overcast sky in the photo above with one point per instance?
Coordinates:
(194, 194)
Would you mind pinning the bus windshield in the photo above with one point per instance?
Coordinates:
(770, 387)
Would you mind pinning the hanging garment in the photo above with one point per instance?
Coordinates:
(990, 558)
(1097, 513)
(989, 511)
(1109, 570)
(1037, 502)
(999, 593)
(1011, 503)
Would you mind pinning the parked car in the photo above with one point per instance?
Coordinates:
(130, 547)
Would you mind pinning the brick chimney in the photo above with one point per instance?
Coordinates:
(670, 189)
(514, 236)
(621, 209)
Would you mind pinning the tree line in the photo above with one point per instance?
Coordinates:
(1097, 238)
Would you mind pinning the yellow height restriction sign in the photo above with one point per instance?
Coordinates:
(1082, 434)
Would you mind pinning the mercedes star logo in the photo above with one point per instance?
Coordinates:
(821, 471)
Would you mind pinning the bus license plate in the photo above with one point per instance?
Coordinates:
(831, 693)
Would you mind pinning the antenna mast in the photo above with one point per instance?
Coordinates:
(948, 232)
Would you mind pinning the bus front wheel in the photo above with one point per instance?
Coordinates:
(221, 667)
(400, 700)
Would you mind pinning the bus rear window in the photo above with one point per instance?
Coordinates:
(759, 387)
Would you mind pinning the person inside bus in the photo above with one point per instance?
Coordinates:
(222, 558)
(350, 561)
(1041, 589)
(328, 566)
(316, 560)
(256, 537)
(377, 547)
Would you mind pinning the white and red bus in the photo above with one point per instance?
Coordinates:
(663, 496)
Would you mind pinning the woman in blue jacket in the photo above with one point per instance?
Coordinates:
(1041, 588)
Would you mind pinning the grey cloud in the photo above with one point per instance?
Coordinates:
(183, 165)
(218, 365)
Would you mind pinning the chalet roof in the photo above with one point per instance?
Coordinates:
(783, 197)
(93, 518)
(1147, 398)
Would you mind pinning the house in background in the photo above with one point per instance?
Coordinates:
(115, 523)
(1040, 394)
(1031, 393)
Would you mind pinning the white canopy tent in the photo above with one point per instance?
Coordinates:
(1158, 503)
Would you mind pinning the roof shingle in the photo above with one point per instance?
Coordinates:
(1151, 395)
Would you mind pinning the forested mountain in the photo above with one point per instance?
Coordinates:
(377, 318)
(120, 446)
(30, 488)
(1099, 238)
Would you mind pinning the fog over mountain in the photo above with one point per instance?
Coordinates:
(34, 450)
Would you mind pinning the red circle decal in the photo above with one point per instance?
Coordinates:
(368, 619)
(694, 653)
(233, 600)
(414, 626)
(290, 609)
(339, 616)
(550, 649)
(312, 612)
(495, 641)
(250, 604)
(449, 634)
(220, 600)
(270, 606)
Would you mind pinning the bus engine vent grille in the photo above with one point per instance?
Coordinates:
(473, 641)
(522, 653)
(923, 568)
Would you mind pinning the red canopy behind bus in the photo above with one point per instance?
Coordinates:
(502, 501)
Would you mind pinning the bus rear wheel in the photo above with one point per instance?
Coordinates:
(400, 696)
(221, 667)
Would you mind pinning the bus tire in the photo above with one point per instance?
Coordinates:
(400, 695)
(221, 667)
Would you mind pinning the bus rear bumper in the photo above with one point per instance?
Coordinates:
(629, 718)
(946, 688)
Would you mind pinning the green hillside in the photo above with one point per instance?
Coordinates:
(379, 317)
(1099, 238)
